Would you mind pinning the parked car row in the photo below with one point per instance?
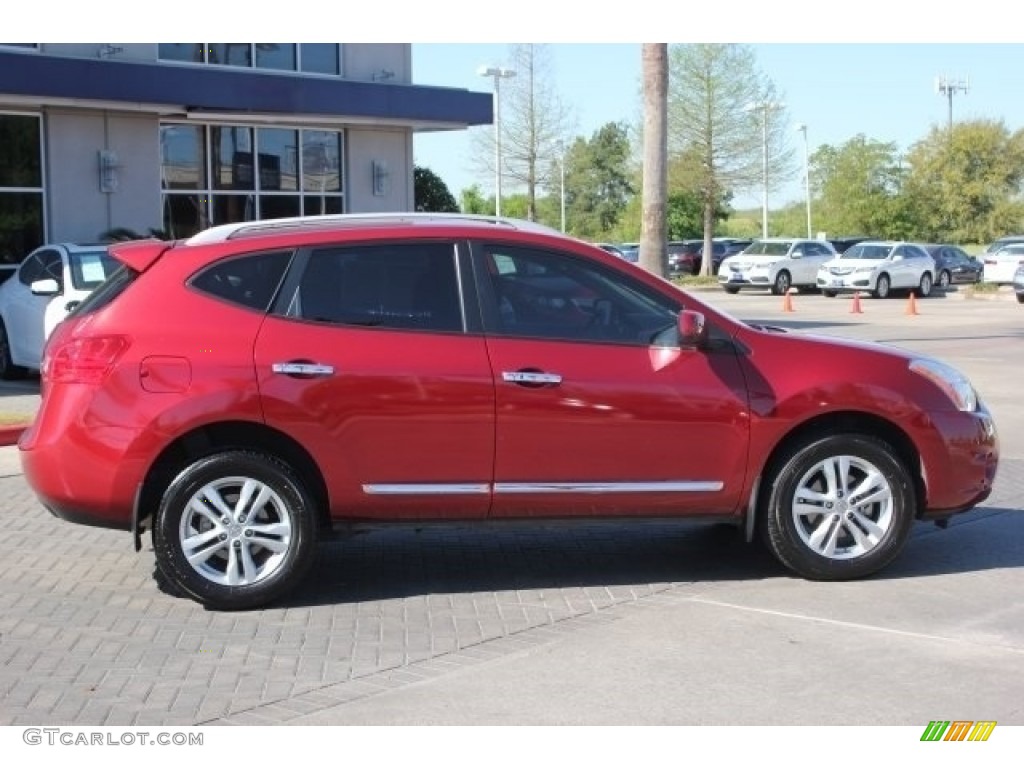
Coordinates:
(874, 266)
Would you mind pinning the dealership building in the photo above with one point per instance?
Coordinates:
(175, 137)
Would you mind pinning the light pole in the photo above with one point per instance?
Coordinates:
(802, 127)
(497, 73)
(764, 106)
(561, 173)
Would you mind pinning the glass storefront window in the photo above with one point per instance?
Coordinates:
(276, 56)
(183, 157)
(321, 161)
(232, 54)
(252, 173)
(278, 159)
(182, 51)
(232, 157)
(20, 151)
(322, 58)
(21, 224)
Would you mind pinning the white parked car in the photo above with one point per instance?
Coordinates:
(779, 263)
(1001, 265)
(879, 267)
(49, 283)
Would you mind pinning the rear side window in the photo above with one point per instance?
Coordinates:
(410, 286)
(249, 281)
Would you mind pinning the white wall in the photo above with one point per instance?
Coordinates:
(78, 210)
(393, 147)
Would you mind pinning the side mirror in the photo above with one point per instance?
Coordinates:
(47, 287)
(693, 331)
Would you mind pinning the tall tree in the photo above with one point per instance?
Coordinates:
(653, 231)
(431, 193)
(857, 189)
(727, 112)
(965, 184)
(535, 124)
(598, 181)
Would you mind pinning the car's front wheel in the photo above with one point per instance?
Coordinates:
(782, 283)
(924, 288)
(828, 294)
(840, 507)
(882, 287)
(235, 530)
(731, 289)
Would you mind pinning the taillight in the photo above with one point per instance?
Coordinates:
(83, 361)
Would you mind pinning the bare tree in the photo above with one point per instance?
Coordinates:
(535, 126)
(653, 229)
(725, 112)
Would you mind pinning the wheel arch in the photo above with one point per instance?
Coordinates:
(210, 439)
(839, 422)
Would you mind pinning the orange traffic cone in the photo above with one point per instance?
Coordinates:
(787, 301)
(912, 305)
(855, 307)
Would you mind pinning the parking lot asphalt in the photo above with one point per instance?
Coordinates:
(645, 623)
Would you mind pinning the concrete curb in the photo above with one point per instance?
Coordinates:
(10, 435)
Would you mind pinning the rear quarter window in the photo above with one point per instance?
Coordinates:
(250, 281)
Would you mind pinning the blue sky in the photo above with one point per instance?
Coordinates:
(884, 90)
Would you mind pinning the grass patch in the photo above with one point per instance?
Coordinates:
(12, 419)
(983, 288)
(696, 280)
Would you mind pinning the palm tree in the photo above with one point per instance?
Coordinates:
(653, 227)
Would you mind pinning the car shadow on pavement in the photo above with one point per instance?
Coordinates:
(401, 562)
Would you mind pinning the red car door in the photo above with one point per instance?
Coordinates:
(597, 412)
(373, 370)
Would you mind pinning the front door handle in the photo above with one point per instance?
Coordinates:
(303, 370)
(531, 378)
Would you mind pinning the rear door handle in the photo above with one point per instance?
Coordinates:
(303, 369)
(531, 378)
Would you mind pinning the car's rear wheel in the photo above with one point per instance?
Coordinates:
(731, 289)
(841, 507)
(924, 288)
(8, 370)
(945, 279)
(781, 284)
(882, 287)
(828, 294)
(235, 530)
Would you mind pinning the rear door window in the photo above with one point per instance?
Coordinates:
(249, 281)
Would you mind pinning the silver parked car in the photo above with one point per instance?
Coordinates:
(779, 263)
(879, 267)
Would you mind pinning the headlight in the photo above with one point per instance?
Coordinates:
(949, 380)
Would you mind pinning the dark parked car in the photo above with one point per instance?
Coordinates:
(352, 370)
(722, 248)
(954, 265)
(842, 243)
(684, 257)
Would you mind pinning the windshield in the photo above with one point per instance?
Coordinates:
(768, 249)
(873, 252)
(90, 268)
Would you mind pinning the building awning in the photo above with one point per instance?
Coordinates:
(234, 93)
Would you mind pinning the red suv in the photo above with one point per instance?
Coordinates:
(241, 393)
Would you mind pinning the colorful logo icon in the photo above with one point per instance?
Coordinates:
(958, 730)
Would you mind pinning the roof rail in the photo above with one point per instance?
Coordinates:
(225, 232)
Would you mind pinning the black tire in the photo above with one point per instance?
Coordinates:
(1020, 298)
(924, 289)
(277, 559)
(828, 294)
(731, 289)
(792, 537)
(882, 287)
(945, 279)
(782, 283)
(8, 370)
